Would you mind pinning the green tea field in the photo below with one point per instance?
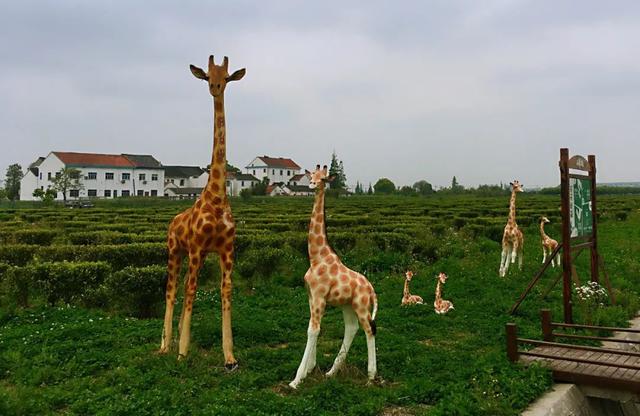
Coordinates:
(82, 300)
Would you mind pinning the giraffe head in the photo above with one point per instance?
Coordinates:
(517, 186)
(217, 75)
(544, 220)
(409, 275)
(442, 277)
(319, 177)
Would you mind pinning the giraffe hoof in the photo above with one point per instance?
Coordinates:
(230, 367)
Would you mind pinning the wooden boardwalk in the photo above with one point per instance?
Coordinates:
(613, 368)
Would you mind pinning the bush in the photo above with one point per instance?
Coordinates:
(138, 291)
(76, 283)
(39, 237)
(260, 263)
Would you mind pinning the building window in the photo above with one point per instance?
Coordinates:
(140, 192)
(74, 193)
(92, 175)
(280, 172)
(254, 171)
(154, 176)
(228, 183)
(171, 180)
(115, 193)
(273, 171)
(125, 193)
(108, 176)
(48, 176)
(154, 193)
(107, 193)
(142, 177)
(181, 182)
(92, 192)
(242, 183)
(40, 175)
(57, 175)
(75, 174)
(264, 171)
(288, 173)
(126, 177)
(146, 193)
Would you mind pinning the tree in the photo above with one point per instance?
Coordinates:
(12, 181)
(455, 186)
(370, 190)
(47, 196)
(261, 187)
(336, 169)
(231, 168)
(384, 186)
(359, 190)
(3, 194)
(407, 190)
(423, 188)
(67, 179)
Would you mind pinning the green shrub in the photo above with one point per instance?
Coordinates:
(260, 263)
(99, 237)
(75, 283)
(137, 291)
(17, 254)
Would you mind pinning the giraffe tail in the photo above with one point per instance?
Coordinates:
(372, 322)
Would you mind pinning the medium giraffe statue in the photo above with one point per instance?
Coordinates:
(440, 305)
(205, 227)
(548, 243)
(512, 239)
(328, 281)
(407, 297)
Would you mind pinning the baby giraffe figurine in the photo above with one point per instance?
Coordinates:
(328, 281)
(548, 243)
(440, 305)
(408, 298)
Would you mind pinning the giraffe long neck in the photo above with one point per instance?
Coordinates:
(512, 208)
(439, 290)
(406, 288)
(317, 225)
(218, 168)
(542, 233)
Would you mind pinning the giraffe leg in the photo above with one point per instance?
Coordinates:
(350, 329)
(312, 339)
(226, 267)
(503, 261)
(544, 254)
(320, 305)
(506, 263)
(514, 252)
(372, 368)
(173, 271)
(195, 263)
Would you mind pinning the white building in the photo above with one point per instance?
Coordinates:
(236, 182)
(184, 181)
(101, 175)
(277, 169)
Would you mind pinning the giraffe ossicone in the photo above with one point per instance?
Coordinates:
(205, 227)
(328, 281)
(441, 306)
(407, 297)
(512, 238)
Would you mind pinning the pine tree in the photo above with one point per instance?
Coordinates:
(336, 169)
(370, 190)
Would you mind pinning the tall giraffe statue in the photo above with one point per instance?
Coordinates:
(512, 239)
(440, 305)
(330, 281)
(205, 227)
(548, 243)
(407, 297)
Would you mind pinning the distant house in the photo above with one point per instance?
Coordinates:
(101, 175)
(277, 189)
(277, 169)
(236, 182)
(183, 181)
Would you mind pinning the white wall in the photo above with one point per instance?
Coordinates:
(258, 169)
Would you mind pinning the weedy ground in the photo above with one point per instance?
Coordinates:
(68, 359)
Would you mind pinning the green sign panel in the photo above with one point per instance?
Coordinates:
(580, 214)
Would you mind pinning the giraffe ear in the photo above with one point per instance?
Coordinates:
(198, 73)
(237, 76)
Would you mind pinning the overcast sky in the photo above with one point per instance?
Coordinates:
(484, 90)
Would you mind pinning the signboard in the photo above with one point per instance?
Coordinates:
(580, 210)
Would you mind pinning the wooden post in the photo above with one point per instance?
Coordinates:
(512, 342)
(566, 235)
(547, 329)
(594, 217)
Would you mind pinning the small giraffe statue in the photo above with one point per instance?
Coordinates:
(408, 298)
(205, 227)
(440, 305)
(328, 281)
(512, 239)
(548, 243)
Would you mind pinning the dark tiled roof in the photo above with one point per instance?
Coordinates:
(296, 178)
(279, 162)
(300, 188)
(182, 171)
(143, 161)
(245, 177)
(186, 191)
(34, 166)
